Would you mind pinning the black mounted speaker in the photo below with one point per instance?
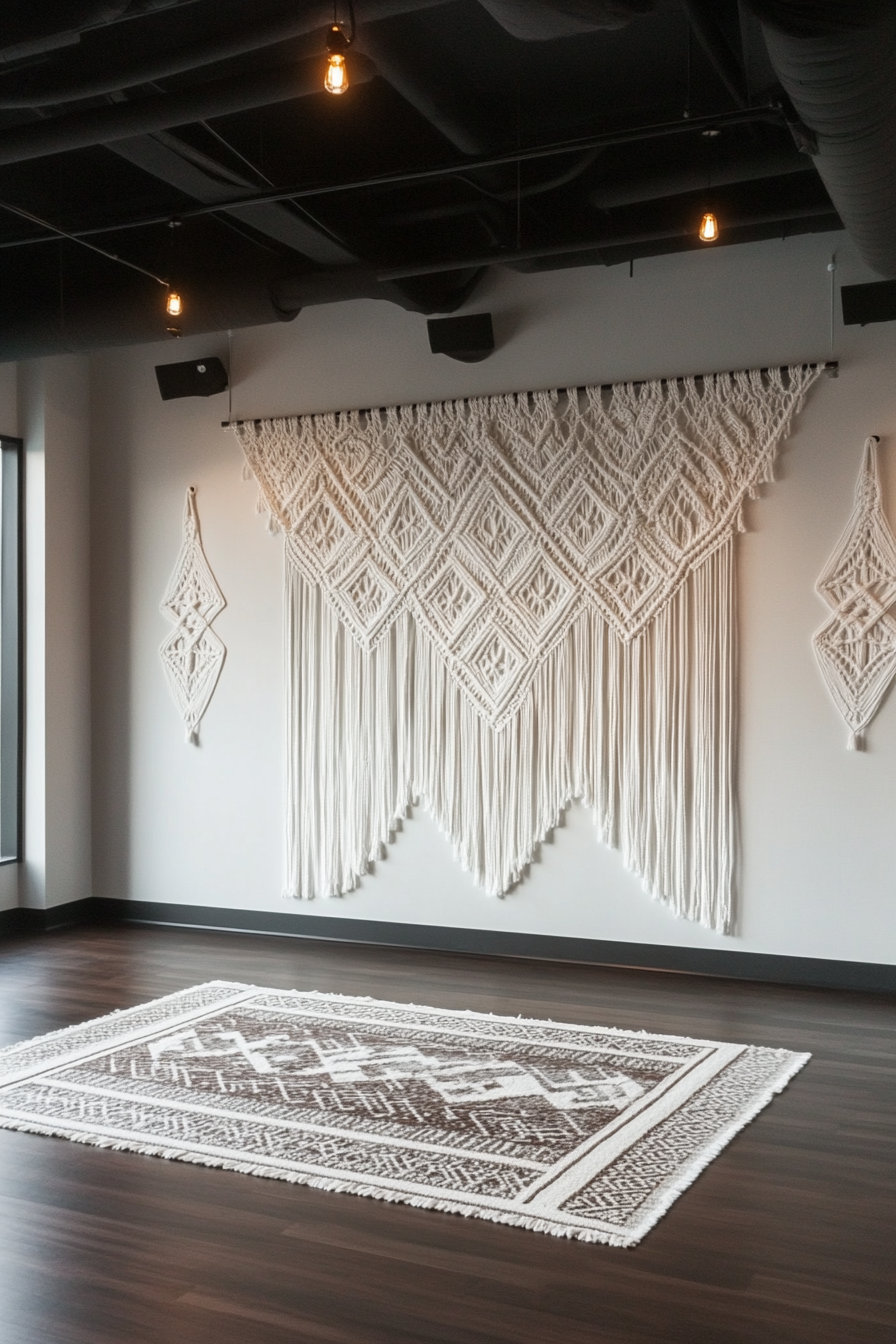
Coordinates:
(869, 303)
(192, 378)
(466, 338)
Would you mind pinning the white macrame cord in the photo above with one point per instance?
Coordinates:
(192, 655)
(856, 646)
(499, 605)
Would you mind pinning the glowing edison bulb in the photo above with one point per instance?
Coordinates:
(175, 304)
(709, 228)
(337, 73)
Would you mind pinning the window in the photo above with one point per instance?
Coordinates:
(11, 648)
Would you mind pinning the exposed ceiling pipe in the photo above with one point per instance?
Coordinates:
(703, 16)
(125, 311)
(607, 242)
(547, 19)
(821, 18)
(159, 112)
(843, 87)
(676, 180)
(437, 292)
(429, 82)
(488, 202)
(79, 17)
(552, 183)
(633, 135)
(36, 90)
(47, 35)
(195, 174)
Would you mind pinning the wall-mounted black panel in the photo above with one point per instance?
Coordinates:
(192, 378)
(468, 339)
(869, 303)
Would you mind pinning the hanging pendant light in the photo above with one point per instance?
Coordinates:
(337, 72)
(709, 228)
(174, 307)
(336, 79)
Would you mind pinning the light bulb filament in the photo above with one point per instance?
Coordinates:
(337, 72)
(709, 228)
(175, 304)
(337, 77)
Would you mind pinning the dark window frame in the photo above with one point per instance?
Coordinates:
(12, 647)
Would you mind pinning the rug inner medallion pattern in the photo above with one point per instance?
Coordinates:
(583, 1132)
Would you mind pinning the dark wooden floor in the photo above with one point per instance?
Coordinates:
(788, 1238)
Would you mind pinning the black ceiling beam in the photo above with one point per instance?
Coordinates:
(35, 88)
(161, 112)
(598, 242)
(383, 181)
(703, 16)
(170, 159)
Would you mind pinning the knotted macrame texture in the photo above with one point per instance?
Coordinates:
(856, 647)
(192, 655)
(502, 604)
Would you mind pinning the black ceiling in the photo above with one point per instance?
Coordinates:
(515, 132)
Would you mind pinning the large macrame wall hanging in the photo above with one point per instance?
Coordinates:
(856, 647)
(192, 655)
(502, 604)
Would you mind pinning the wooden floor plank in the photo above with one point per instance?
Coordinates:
(787, 1238)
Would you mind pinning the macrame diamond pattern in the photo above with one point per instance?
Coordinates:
(500, 605)
(498, 521)
(192, 655)
(856, 647)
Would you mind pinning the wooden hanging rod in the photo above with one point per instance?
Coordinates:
(831, 367)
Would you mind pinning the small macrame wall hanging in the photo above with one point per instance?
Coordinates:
(192, 655)
(502, 604)
(856, 647)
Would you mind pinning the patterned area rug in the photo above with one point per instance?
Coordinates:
(583, 1132)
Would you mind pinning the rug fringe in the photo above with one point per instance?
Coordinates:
(507, 1217)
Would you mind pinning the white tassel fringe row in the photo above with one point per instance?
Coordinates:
(643, 733)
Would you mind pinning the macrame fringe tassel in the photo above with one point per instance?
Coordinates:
(643, 733)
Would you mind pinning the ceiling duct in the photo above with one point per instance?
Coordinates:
(546, 19)
(820, 18)
(110, 308)
(60, 25)
(843, 88)
(677, 179)
(104, 125)
(30, 88)
(443, 292)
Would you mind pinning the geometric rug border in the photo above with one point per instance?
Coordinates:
(640, 1159)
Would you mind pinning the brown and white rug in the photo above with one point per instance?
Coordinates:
(583, 1132)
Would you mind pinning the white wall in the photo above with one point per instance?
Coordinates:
(54, 422)
(203, 826)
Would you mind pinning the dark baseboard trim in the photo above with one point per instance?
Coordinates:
(809, 971)
(816, 972)
(90, 910)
